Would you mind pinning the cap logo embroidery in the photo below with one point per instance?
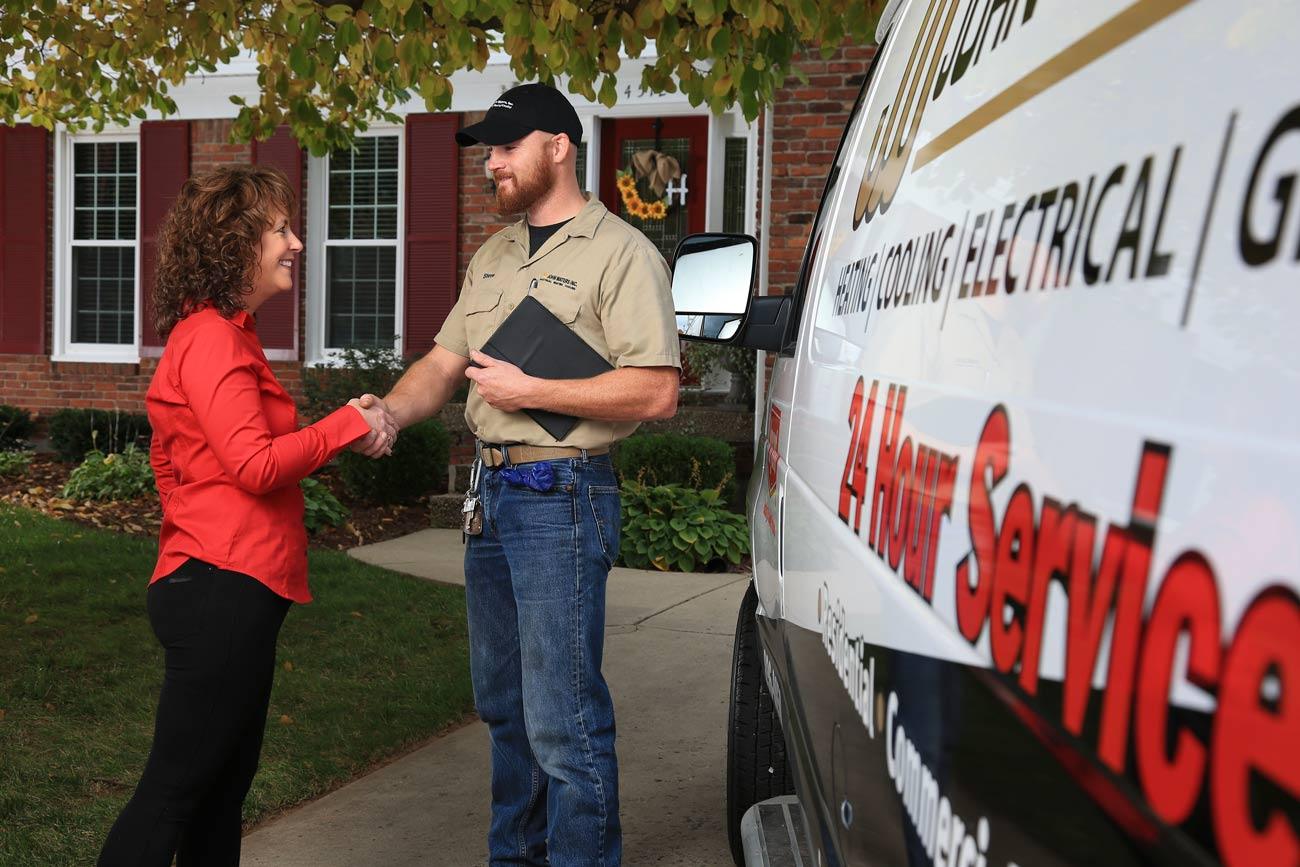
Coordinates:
(503, 103)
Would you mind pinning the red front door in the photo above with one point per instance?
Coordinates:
(686, 139)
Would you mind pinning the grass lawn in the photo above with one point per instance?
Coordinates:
(377, 663)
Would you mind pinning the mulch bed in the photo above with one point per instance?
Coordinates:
(40, 488)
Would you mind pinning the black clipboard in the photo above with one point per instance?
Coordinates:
(533, 339)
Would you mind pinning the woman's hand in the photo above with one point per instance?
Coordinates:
(383, 428)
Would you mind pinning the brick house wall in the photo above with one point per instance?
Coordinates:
(807, 122)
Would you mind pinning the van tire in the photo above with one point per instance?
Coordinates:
(757, 768)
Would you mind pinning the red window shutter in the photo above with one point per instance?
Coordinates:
(23, 178)
(277, 319)
(432, 186)
(164, 167)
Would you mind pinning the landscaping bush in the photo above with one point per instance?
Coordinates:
(117, 476)
(417, 466)
(678, 459)
(672, 528)
(359, 371)
(76, 432)
(322, 507)
(14, 463)
(15, 427)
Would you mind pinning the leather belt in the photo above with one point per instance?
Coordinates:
(497, 455)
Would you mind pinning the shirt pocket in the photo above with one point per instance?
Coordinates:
(564, 304)
(482, 312)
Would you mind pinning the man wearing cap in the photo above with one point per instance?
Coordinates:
(535, 576)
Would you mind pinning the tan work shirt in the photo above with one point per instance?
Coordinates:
(598, 275)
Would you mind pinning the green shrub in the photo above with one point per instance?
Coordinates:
(359, 371)
(15, 427)
(322, 507)
(76, 432)
(678, 459)
(117, 476)
(417, 466)
(672, 528)
(14, 463)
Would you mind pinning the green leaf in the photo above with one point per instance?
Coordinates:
(338, 12)
(346, 34)
(609, 91)
(300, 61)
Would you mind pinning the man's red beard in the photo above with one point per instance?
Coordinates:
(521, 191)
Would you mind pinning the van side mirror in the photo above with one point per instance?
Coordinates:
(713, 276)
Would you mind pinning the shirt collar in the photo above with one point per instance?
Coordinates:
(582, 225)
(242, 318)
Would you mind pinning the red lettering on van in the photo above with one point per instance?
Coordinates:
(1249, 770)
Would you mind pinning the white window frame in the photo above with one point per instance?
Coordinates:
(318, 240)
(64, 213)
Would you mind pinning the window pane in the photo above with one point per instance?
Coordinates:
(126, 192)
(340, 187)
(364, 179)
(104, 191)
(360, 296)
(83, 224)
(386, 188)
(126, 158)
(103, 295)
(106, 158)
(105, 224)
(387, 153)
(340, 223)
(83, 155)
(386, 227)
(83, 191)
(733, 184)
(363, 223)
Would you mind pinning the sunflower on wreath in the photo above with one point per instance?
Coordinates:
(658, 170)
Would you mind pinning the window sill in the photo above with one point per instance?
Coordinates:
(127, 356)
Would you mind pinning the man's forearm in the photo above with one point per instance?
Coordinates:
(424, 389)
(625, 394)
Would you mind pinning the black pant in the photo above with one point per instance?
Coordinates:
(219, 630)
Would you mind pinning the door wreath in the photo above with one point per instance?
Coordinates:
(658, 170)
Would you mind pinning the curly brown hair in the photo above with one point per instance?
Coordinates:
(210, 241)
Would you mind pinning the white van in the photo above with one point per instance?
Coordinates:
(1026, 524)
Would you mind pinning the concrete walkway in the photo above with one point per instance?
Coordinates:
(667, 660)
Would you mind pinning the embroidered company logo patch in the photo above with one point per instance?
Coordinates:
(503, 103)
(561, 281)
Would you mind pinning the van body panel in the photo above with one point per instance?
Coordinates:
(1037, 476)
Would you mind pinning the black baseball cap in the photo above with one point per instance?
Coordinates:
(521, 110)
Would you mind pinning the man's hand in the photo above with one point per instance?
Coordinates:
(500, 383)
(384, 429)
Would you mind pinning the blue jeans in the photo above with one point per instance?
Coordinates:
(535, 591)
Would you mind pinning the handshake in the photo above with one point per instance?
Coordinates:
(383, 427)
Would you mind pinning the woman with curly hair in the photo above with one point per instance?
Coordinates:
(227, 456)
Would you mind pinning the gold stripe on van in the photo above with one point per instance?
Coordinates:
(1133, 21)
